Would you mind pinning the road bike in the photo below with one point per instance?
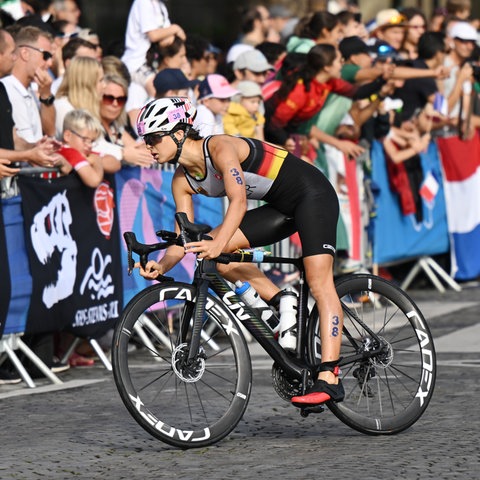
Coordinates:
(183, 369)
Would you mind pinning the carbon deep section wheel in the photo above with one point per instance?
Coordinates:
(184, 403)
(388, 392)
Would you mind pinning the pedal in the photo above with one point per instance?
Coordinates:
(306, 411)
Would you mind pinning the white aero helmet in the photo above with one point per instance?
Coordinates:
(164, 114)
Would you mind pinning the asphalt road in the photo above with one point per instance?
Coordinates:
(82, 430)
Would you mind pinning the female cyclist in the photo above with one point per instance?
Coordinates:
(298, 198)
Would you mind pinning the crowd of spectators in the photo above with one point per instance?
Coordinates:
(323, 86)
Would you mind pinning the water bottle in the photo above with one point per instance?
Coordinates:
(288, 320)
(251, 298)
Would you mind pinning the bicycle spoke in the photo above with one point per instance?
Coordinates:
(177, 399)
(390, 387)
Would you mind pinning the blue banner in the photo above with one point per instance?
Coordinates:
(400, 237)
(20, 276)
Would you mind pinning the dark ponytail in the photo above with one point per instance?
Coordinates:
(320, 56)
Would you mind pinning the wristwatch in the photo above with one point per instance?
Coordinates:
(47, 101)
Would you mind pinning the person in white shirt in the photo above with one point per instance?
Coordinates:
(148, 22)
(33, 116)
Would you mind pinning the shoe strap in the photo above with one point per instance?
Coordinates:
(330, 367)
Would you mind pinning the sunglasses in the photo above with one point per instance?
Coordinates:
(152, 139)
(111, 99)
(46, 54)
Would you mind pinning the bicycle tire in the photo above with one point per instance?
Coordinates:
(186, 408)
(389, 392)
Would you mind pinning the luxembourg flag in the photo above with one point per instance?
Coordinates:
(461, 167)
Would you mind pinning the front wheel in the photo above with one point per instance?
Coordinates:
(388, 391)
(181, 402)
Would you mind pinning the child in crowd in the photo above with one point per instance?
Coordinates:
(80, 131)
(243, 117)
(214, 96)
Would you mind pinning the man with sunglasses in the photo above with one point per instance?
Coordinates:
(33, 113)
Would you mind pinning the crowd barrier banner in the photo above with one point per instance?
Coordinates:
(5, 287)
(66, 254)
(72, 240)
(17, 261)
(399, 237)
(461, 166)
(146, 205)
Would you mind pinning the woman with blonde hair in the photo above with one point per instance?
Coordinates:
(114, 122)
(82, 88)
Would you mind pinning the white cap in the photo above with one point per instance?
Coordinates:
(236, 50)
(463, 31)
(253, 60)
(247, 88)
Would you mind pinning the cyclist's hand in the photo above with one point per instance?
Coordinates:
(207, 249)
(152, 270)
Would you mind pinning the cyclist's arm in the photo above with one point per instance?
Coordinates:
(182, 195)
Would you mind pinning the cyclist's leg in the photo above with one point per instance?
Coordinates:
(327, 386)
(319, 273)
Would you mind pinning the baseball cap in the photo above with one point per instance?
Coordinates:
(280, 11)
(247, 88)
(463, 31)
(236, 50)
(215, 86)
(253, 60)
(172, 79)
(352, 46)
(390, 17)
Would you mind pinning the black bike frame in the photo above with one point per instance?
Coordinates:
(206, 274)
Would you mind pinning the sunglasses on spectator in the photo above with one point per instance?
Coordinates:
(152, 139)
(417, 27)
(46, 54)
(67, 35)
(111, 99)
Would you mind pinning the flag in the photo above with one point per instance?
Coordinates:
(461, 167)
(429, 187)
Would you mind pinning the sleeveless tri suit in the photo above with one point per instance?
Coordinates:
(297, 196)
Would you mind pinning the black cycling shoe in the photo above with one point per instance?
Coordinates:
(321, 391)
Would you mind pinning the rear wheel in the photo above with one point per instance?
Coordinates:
(388, 391)
(184, 403)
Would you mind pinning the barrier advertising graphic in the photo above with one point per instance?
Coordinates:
(72, 241)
